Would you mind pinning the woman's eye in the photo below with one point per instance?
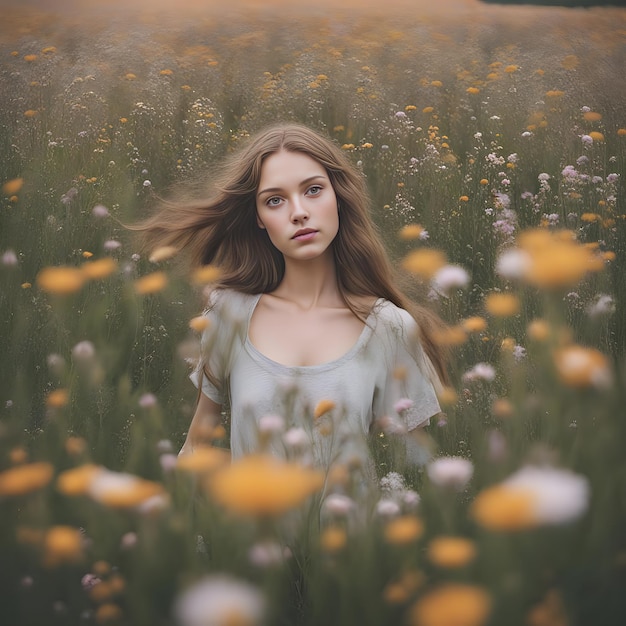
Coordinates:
(315, 190)
(273, 201)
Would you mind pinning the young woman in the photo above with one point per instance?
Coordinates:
(305, 322)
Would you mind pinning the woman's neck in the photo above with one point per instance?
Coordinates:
(310, 284)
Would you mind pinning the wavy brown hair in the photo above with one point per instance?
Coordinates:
(222, 229)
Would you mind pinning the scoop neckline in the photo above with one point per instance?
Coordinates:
(275, 365)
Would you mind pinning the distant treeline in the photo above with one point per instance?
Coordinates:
(562, 3)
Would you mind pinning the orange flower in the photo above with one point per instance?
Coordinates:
(57, 398)
(592, 116)
(578, 366)
(30, 113)
(323, 407)
(510, 69)
(199, 323)
(96, 270)
(596, 136)
(504, 508)
(261, 485)
(450, 336)
(451, 552)
(447, 396)
(474, 324)
(452, 604)
(205, 275)
(29, 58)
(76, 481)
(502, 304)
(424, 262)
(60, 280)
(570, 62)
(473, 90)
(121, 490)
(163, 253)
(62, 544)
(24, 479)
(333, 539)
(410, 232)
(403, 530)
(203, 459)
(151, 283)
(166, 72)
(11, 187)
(538, 329)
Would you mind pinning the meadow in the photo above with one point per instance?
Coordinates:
(493, 141)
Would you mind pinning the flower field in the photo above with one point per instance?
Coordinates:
(493, 141)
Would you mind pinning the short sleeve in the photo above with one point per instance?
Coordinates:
(411, 380)
(216, 347)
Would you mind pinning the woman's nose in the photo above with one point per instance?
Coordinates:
(298, 211)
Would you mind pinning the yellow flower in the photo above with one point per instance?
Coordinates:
(578, 366)
(436, 83)
(596, 136)
(450, 336)
(205, 275)
(62, 544)
(151, 283)
(24, 479)
(570, 62)
(11, 187)
(121, 490)
(452, 604)
(424, 262)
(18, 455)
(31, 113)
(589, 217)
(333, 539)
(96, 270)
(203, 459)
(367, 145)
(57, 398)
(60, 280)
(199, 323)
(447, 396)
(410, 232)
(75, 446)
(410, 107)
(502, 304)
(428, 110)
(621, 132)
(451, 552)
(30, 58)
(502, 407)
(504, 508)
(166, 72)
(555, 93)
(163, 254)
(464, 199)
(474, 324)
(484, 181)
(403, 530)
(76, 481)
(509, 69)
(108, 613)
(262, 485)
(323, 407)
(473, 90)
(130, 76)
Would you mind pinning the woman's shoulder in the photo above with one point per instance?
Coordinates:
(230, 303)
(392, 315)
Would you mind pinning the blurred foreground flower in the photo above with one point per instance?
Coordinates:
(220, 601)
(578, 366)
(533, 496)
(11, 187)
(121, 490)
(424, 262)
(163, 254)
(262, 485)
(205, 275)
(451, 552)
(24, 479)
(61, 280)
(203, 459)
(452, 604)
(62, 544)
(151, 283)
(450, 471)
(97, 270)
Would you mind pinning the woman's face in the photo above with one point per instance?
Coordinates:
(297, 205)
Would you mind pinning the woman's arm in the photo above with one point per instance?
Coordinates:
(205, 419)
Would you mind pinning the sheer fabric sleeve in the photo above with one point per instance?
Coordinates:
(411, 383)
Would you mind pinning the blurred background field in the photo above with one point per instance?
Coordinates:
(493, 135)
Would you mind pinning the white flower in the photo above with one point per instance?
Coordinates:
(220, 600)
(480, 371)
(100, 211)
(83, 351)
(338, 504)
(403, 404)
(587, 139)
(296, 438)
(386, 507)
(269, 424)
(450, 471)
(392, 482)
(267, 553)
(9, 258)
(450, 277)
(147, 401)
(411, 498)
(602, 305)
(111, 244)
(513, 263)
(559, 496)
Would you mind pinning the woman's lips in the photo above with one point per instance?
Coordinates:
(305, 235)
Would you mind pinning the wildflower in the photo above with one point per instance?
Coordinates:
(205, 275)
(592, 116)
(262, 485)
(148, 401)
(464, 199)
(403, 530)
(502, 304)
(166, 72)
(333, 539)
(163, 254)
(480, 371)
(450, 336)
(203, 459)
(474, 324)
(386, 507)
(29, 58)
(121, 490)
(220, 600)
(9, 258)
(538, 329)
(62, 544)
(23, 479)
(323, 407)
(603, 304)
(13, 186)
(108, 613)
(447, 396)
(338, 504)
(473, 90)
(531, 497)
(60, 280)
(451, 472)
(450, 277)
(76, 481)
(112, 244)
(392, 482)
(410, 232)
(199, 323)
(424, 262)
(452, 604)
(596, 136)
(269, 424)
(97, 270)
(57, 399)
(403, 404)
(296, 438)
(578, 366)
(586, 139)
(151, 283)
(451, 552)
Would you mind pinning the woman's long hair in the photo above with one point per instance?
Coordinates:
(223, 230)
